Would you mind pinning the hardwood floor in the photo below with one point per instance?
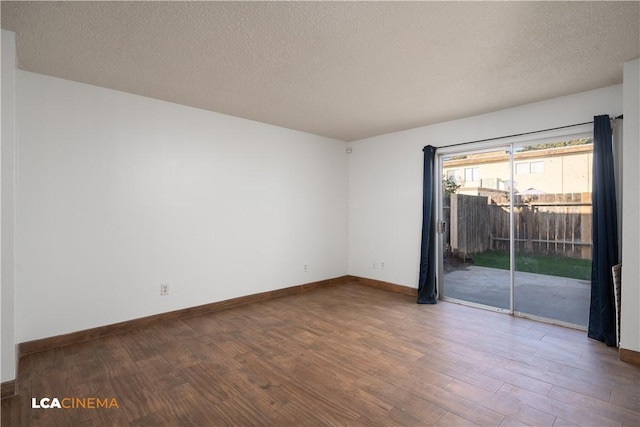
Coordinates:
(341, 355)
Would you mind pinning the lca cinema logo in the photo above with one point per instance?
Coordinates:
(74, 403)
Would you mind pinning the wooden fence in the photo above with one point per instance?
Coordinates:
(550, 224)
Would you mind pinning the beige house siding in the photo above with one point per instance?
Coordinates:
(552, 171)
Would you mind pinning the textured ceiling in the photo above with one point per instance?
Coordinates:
(346, 70)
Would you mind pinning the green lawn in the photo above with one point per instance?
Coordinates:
(542, 264)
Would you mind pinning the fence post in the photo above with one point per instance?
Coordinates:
(453, 219)
(585, 225)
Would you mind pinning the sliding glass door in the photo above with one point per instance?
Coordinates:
(516, 233)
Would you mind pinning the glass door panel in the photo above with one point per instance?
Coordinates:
(552, 230)
(475, 239)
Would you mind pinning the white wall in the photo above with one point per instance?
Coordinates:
(7, 329)
(385, 177)
(118, 193)
(630, 318)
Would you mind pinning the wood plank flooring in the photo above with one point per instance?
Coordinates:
(342, 355)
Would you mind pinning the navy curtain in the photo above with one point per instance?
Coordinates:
(427, 292)
(602, 315)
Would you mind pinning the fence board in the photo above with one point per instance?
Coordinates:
(550, 224)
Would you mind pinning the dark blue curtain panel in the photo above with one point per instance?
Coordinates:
(602, 315)
(427, 290)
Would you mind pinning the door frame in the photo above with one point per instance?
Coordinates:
(482, 146)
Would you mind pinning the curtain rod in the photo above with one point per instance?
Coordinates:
(525, 133)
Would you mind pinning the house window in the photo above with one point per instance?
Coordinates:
(529, 167)
(454, 175)
(537, 167)
(472, 174)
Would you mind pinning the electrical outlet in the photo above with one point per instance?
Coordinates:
(375, 265)
(164, 289)
(306, 268)
(381, 265)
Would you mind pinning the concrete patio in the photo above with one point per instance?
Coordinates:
(556, 298)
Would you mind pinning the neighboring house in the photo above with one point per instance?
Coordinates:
(546, 171)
